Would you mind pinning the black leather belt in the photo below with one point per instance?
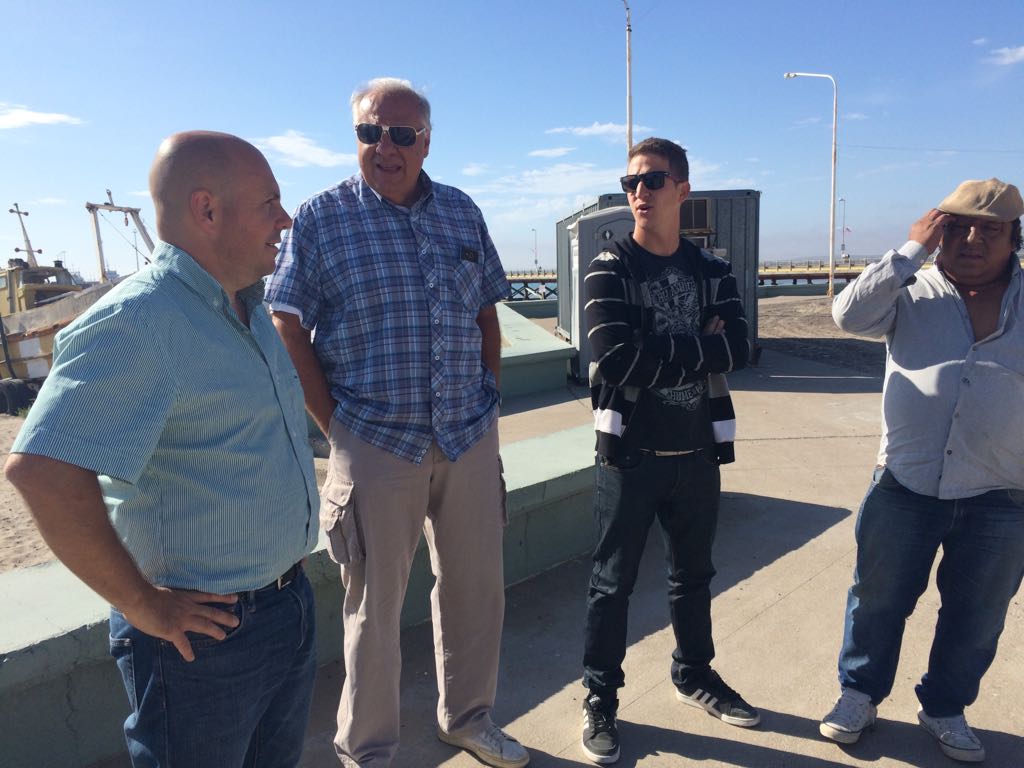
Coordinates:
(283, 580)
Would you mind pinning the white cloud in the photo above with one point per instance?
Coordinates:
(50, 201)
(555, 181)
(979, 41)
(855, 116)
(140, 193)
(888, 169)
(18, 116)
(553, 152)
(474, 169)
(807, 121)
(296, 149)
(1005, 57)
(736, 182)
(610, 131)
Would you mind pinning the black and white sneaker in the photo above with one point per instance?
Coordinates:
(600, 740)
(711, 694)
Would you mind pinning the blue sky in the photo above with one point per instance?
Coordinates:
(528, 103)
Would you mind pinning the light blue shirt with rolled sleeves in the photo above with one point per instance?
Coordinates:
(194, 424)
(952, 407)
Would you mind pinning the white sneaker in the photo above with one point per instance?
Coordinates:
(491, 745)
(955, 737)
(852, 713)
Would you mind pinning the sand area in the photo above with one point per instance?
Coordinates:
(794, 325)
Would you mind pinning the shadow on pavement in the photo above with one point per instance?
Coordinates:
(542, 642)
(640, 741)
(789, 372)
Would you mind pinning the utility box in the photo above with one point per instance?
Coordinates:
(726, 222)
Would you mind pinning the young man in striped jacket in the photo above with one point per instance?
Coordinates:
(665, 321)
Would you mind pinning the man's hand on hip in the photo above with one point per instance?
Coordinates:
(170, 613)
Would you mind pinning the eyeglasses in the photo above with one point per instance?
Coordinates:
(653, 180)
(961, 228)
(401, 135)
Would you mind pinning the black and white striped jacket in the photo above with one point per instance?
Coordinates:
(629, 358)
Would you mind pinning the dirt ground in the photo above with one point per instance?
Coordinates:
(802, 326)
(794, 325)
(20, 544)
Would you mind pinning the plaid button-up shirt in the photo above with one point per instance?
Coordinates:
(392, 295)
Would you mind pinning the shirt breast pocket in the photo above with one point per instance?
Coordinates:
(468, 279)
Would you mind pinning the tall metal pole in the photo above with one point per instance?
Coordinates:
(842, 247)
(536, 266)
(629, 81)
(832, 200)
(24, 233)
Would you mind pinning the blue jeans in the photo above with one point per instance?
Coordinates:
(244, 701)
(899, 533)
(682, 493)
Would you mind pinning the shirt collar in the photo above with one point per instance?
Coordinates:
(425, 184)
(180, 263)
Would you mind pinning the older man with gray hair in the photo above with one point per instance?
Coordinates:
(950, 469)
(398, 277)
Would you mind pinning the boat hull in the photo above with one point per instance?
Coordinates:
(30, 334)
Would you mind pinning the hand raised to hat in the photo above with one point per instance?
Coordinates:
(170, 613)
(929, 228)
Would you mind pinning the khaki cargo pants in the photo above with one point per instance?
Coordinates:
(374, 507)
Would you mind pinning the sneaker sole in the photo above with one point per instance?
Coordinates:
(484, 757)
(600, 759)
(843, 737)
(741, 722)
(963, 755)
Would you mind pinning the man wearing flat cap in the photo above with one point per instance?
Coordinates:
(950, 470)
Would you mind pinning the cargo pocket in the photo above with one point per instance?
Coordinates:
(503, 491)
(338, 520)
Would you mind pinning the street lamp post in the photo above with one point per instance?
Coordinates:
(832, 203)
(629, 82)
(536, 266)
(842, 247)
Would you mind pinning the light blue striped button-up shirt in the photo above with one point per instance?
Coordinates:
(194, 424)
(952, 406)
(393, 294)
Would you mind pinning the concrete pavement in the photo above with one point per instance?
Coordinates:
(785, 552)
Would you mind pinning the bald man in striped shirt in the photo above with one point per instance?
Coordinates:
(166, 464)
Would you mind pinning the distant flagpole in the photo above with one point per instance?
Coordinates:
(629, 82)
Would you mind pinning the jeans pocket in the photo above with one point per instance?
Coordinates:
(340, 521)
(121, 651)
(198, 640)
(627, 461)
(882, 477)
(1016, 497)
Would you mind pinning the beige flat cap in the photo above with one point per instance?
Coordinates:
(992, 199)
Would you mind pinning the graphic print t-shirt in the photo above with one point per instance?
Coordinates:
(674, 418)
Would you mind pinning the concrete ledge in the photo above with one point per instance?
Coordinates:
(61, 698)
(534, 307)
(532, 360)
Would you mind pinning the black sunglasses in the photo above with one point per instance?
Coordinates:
(401, 135)
(652, 180)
